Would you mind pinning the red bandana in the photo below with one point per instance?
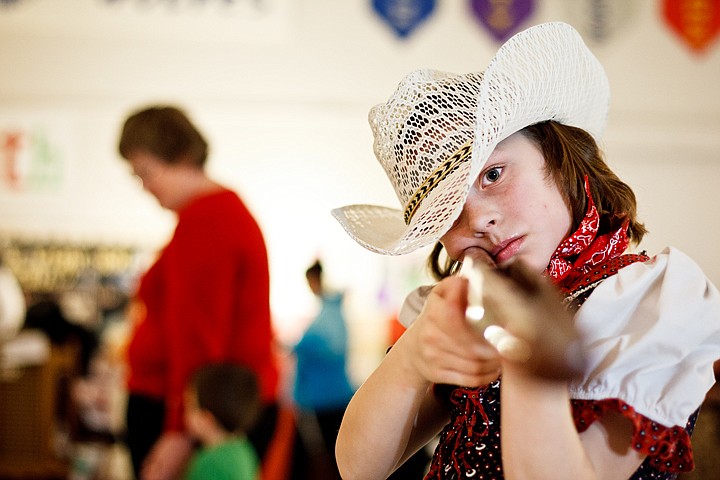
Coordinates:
(585, 247)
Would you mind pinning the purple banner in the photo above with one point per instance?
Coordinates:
(502, 18)
(404, 15)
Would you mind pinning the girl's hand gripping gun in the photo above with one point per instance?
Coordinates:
(523, 316)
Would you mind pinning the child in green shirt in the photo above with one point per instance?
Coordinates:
(221, 403)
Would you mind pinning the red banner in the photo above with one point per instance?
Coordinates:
(697, 22)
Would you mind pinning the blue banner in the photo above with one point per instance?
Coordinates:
(404, 15)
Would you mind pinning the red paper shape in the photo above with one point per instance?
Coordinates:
(697, 22)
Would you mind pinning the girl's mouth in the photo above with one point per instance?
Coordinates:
(507, 249)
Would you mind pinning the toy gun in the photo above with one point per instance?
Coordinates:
(524, 318)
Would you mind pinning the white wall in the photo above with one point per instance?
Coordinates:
(282, 89)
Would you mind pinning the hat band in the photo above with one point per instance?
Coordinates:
(437, 176)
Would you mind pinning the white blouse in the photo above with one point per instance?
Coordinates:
(651, 334)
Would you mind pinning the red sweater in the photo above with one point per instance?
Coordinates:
(206, 299)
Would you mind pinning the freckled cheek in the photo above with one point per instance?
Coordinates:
(449, 242)
(516, 208)
(455, 239)
(560, 216)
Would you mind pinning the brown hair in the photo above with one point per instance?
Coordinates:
(314, 270)
(570, 155)
(230, 392)
(166, 132)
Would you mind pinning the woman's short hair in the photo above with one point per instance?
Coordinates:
(166, 132)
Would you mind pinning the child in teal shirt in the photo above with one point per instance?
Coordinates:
(221, 403)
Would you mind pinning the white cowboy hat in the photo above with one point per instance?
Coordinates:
(436, 132)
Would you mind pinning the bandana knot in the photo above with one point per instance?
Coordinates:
(578, 253)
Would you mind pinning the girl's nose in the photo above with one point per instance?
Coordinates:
(479, 217)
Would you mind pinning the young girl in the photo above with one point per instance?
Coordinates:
(503, 167)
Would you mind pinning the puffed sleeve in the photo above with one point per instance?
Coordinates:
(651, 333)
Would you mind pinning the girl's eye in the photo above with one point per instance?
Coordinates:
(491, 176)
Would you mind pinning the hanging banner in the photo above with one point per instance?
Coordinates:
(32, 156)
(599, 20)
(404, 15)
(502, 18)
(697, 22)
(247, 22)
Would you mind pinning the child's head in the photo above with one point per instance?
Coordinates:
(569, 156)
(221, 399)
(436, 133)
(313, 275)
